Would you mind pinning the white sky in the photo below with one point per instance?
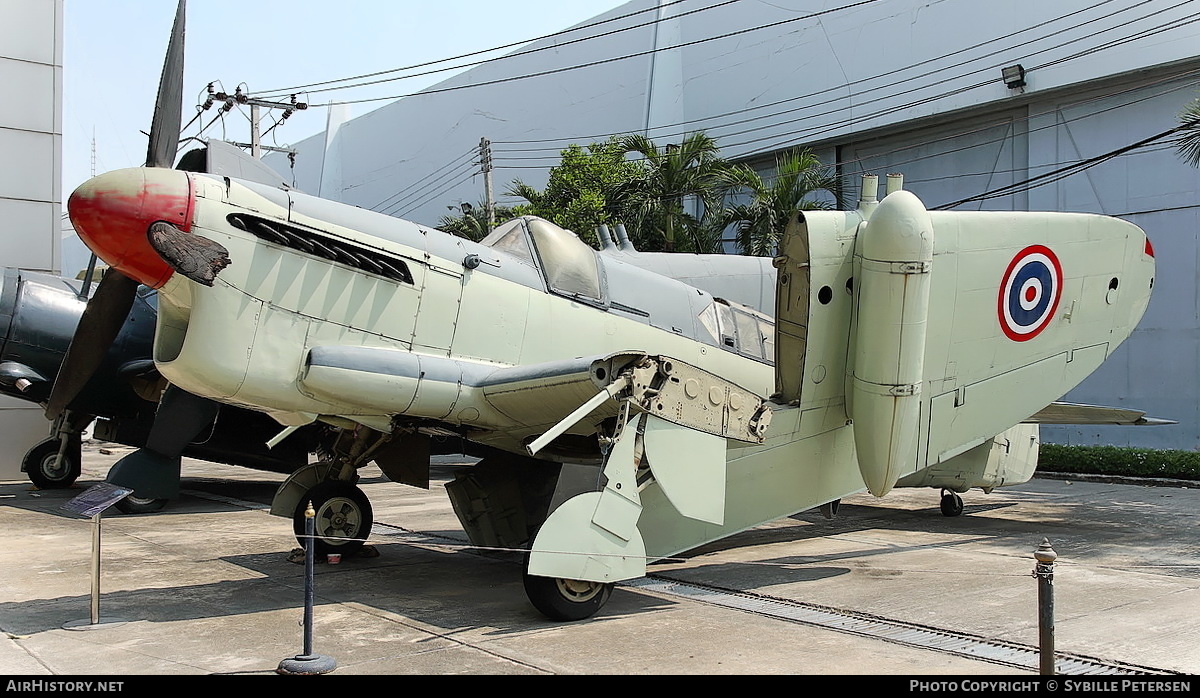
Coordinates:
(114, 49)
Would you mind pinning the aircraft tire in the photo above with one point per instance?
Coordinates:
(951, 504)
(140, 505)
(343, 517)
(45, 471)
(566, 599)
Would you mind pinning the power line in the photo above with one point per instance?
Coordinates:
(412, 193)
(1063, 17)
(499, 58)
(456, 162)
(1025, 119)
(1139, 35)
(442, 192)
(822, 129)
(984, 127)
(304, 88)
(818, 129)
(1070, 168)
(846, 85)
(1058, 174)
(614, 59)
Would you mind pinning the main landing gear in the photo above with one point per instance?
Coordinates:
(343, 517)
(951, 504)
(49, 469)
(54, 463)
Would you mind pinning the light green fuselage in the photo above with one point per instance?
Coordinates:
(250, 341)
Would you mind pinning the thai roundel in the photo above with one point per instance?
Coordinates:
(1029, 293)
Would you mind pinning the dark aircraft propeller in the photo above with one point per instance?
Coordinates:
(109, 306)
(152, 472)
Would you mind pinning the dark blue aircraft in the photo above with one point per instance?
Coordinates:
(39, 315)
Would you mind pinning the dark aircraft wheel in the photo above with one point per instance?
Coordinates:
(343, 519)
(44, 468)
(140, 505)
(952, 504)
(566, 599)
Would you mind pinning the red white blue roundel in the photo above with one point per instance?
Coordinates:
(1029, 293)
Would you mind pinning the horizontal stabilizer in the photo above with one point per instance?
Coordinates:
(1073, 413)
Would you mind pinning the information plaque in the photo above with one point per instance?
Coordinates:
(96, 499)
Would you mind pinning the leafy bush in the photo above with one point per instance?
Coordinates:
(1113, 460)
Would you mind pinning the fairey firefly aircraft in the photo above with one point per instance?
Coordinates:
(626, 415)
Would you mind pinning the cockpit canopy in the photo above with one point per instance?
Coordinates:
(568, 264)
(571, 268)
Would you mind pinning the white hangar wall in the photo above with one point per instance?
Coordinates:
(30, 133)
(30, 194)
(891, 86)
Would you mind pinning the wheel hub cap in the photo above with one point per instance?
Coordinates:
(578, 590)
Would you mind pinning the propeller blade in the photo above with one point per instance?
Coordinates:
(102, 319)
(108, 308)
(168, 109)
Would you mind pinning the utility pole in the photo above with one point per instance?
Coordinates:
(255, 139)
(238, 97)
(485, 159)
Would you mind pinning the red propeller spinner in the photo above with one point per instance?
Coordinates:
(113, 213)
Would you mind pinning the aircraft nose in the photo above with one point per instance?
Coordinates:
(113, 212)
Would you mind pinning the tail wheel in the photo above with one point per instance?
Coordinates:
(49, 472)
(140, 505)
(566, 599)
(951, 504)
(343, 518)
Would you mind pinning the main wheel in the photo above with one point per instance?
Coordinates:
(343, 517)
(566, 599)
(952, 504)
(46, 470)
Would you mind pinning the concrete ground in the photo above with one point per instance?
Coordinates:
(206, 586)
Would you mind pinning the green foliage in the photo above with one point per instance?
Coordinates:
(673, 198)
(1113, 460)
(1189, 143)
(472, 222)
(653, 205)
(761, 221)
(578, 191)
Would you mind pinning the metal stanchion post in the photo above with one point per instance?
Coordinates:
(92, 503)
(308, 663)
(95, 569)
(1044, 571)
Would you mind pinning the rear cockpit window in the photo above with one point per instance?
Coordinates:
(739, 328)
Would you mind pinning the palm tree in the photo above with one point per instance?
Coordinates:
(653, 203)
(1189, 143)
(472, 224)
(761, 221)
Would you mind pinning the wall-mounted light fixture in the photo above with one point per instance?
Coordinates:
(1014, 76)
